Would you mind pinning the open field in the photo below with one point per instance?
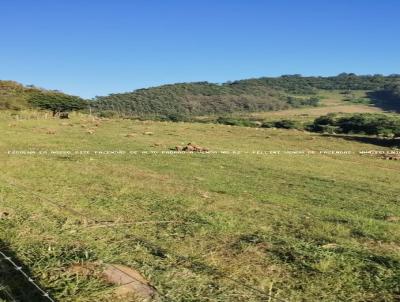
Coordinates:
(200, 227)
(331, 102)
(200, 151)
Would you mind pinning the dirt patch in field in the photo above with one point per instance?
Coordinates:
(128, 281)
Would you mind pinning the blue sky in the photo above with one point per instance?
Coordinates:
(97, 47)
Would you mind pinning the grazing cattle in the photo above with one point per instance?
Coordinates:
(391, 156)
(64, 115)
(194, 148)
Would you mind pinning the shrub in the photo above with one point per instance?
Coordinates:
(107, 114)
(365, 123)
(320, 123)
(175, 117)
(236, 122)
(301, 102)
(268, 125)
(365, 101)
(286, 124)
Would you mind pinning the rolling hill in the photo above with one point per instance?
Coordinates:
(184, 100)
(15, 96)
(194, 99)
(252, 95)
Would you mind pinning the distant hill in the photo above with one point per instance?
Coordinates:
(298, 84)
(182, 100)
(197, 99)
(262, 94)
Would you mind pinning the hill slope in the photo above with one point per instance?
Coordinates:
(196, 99)
(15, 96)
(252, 95)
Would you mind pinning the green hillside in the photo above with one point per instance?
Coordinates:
(184, 100)
(15, 96)
(298, 84)
(252, 95)
(197, 99)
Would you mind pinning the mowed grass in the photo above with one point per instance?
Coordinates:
(200, 227)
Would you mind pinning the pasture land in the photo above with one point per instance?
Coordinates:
(199, 227)
(331, 102)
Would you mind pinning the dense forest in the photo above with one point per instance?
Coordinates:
(190, 99)
(297, 84)
(262, 94)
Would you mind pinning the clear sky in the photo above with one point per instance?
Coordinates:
(97, 47)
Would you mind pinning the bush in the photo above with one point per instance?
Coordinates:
(365, 123)
(286, 124)
(283, 124)
(174, 117)
(268, 125)
(353, 100)
(328, 119)
(107, 114)
(320, 123)
(236, 122)
(301, 102)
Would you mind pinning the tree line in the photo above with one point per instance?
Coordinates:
(181, 100)
(184, 100)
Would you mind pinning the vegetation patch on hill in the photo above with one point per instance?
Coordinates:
(15, 96)
(194, 99)
(184, 100)
(366, 123)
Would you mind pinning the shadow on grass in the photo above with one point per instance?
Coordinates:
(383, 142)
(13, 285)
(384, 100)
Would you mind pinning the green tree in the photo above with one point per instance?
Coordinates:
(57, 102)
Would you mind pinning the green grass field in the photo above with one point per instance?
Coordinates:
(199, 227)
